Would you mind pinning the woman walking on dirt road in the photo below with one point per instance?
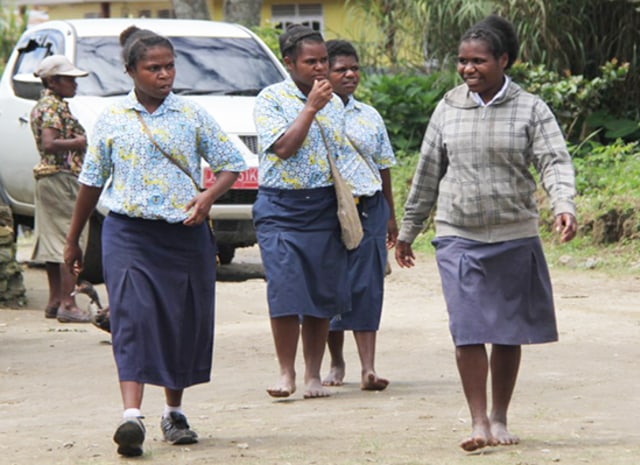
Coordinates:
(475, 162)
(158, 251)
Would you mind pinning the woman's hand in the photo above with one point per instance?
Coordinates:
(404, 254)
(201, 203)
(320, 94)
(566, 225)
(199, 207)
(392, 233)
(73, 257)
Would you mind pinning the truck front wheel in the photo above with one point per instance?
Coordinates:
(92, 270)
(226, 253)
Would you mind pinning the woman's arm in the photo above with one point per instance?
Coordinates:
(392, 226)
(292, 139)
(85, 204)
(52, 142)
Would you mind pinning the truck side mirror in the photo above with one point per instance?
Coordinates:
(27, 86)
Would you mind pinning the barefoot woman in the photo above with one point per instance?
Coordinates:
(475, 161)
(367, 170)
(295, 214)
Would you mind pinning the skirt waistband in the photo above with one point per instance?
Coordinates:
(314, 193)
(138, 219)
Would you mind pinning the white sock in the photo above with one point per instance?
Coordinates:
(131, 412)
(168, 409)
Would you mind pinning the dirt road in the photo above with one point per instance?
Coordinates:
(576, 402)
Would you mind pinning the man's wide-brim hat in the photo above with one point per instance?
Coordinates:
(57, 65)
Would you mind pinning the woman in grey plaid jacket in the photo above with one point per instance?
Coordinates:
(474, 168)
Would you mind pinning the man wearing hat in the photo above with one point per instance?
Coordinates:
(61, 142)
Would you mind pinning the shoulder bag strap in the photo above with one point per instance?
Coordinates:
(332, 165)
(165, 154)
(366, 161)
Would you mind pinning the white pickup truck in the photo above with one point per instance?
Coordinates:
(222, 66)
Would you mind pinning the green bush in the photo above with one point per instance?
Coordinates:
(405, 102)
(572, 98)
(607, 170)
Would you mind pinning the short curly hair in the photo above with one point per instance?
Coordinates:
(336, 48)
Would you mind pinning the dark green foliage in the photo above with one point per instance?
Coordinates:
(572, 98)
(613, 127)
(406, 102)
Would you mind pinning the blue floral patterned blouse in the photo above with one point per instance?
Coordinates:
(144, 184)
(277, 106)
(367, 135)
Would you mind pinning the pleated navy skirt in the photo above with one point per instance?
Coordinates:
(304, 259)
(160, 278)
(366, 268)
(498, 293)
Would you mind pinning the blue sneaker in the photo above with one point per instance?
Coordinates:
(175, 429)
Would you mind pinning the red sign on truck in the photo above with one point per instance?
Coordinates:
(246, 180)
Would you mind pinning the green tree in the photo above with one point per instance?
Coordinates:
(574, 37)
(580, 36)
(12, 25)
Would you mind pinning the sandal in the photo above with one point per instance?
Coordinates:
(51, 311)
(72, 316)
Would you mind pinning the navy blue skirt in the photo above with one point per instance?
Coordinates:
(366, 268)
(304, 259)
(160, 278)
(496, 293)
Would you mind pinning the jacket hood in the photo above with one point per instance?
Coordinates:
(460, 97)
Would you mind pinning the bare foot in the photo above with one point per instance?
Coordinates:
(335, 376)
(315, 389)
(371, 382)
(284, 388)
(480, 437)
(501, 435)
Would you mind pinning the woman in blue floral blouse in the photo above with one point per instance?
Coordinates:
(300, 123)
(158, 251)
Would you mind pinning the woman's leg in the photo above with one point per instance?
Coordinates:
(505, 362)
(286, 332)
(67, 286)
(314, 338)
(54, 279)
(131, 392)
(174, 425)
(473, 366)
(335, 343)
(173, 397)
(131, 432)
(366, 342)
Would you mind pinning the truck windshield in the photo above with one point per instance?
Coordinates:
(204, 65)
